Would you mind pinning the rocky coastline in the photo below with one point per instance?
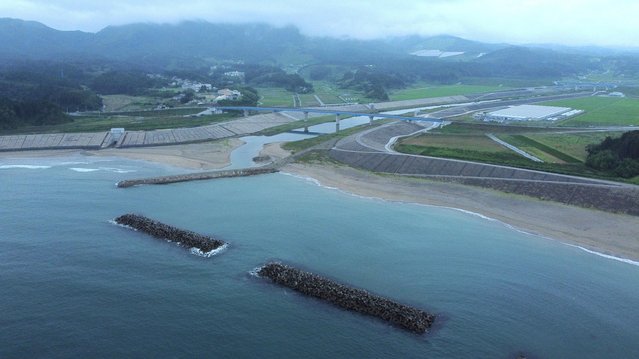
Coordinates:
(197, 176)
(352, 299)
(163, 231)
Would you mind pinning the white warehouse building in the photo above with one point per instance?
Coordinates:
(530, 113)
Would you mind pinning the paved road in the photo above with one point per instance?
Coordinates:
(244, 126)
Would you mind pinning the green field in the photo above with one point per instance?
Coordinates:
(561, 152)
(425, 91)
(474, 142)
(106, 122)
(272, 96)
(601, 111)
(572, 144)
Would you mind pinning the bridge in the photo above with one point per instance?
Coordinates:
(327, 111)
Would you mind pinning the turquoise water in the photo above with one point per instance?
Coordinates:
(74, 285)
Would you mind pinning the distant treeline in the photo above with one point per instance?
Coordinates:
(15, 114)
(59, 84)
(260, 76)
(618, 156)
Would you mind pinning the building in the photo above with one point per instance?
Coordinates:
(226, 94)
(530, 113)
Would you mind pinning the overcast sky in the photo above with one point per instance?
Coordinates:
(572, 22)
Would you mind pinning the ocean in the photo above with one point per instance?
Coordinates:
(73, 284)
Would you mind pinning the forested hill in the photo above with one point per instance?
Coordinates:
(198, 43)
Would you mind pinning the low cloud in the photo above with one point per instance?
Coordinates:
(572, 22)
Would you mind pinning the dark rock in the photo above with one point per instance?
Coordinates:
(356, 300)
(164, 231)
(261, 158)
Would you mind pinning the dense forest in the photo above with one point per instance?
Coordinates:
(14, 114)
(618, 156)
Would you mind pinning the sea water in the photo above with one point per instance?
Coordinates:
(72, 284)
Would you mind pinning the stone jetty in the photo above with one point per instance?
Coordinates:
(198, 176)
(164, 231)
(356, 300)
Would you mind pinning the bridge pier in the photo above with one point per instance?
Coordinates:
(336, 122)
(305, 121)
(245, 113)
(370, 120)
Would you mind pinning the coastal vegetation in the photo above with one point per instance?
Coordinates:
(619, 156)
(469, 142)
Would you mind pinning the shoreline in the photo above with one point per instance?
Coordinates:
(212, 155)
(597, 232)
(601, 233)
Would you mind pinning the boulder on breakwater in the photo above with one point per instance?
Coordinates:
(164, 231)
(197, 176)
(356, 300)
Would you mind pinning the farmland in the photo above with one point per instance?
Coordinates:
(425, 91)
(561, 152)
(601, 111)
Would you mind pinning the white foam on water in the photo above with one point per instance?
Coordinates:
(116, 170)
(255, 271)
(73, 163)
(29, 167)
(83, 170)
(198, 252)
(317, 183)
(108, 169)
(309, 179)
(619, 259)
(112, 221)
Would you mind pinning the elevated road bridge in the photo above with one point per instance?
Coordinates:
(336, 112)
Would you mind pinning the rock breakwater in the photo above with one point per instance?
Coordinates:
(356, 300)
(164, 231)
(197, 176)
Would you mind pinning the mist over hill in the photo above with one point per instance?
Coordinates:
(198, 43)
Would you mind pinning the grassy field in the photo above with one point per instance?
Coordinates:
(572, 144)
(106, 122)
(127, 103)
(474, 142)
(562, 152)
(308, 100)
(270, 96)
(426, 91)
(542, 151)
(297, 146)
(601, 111)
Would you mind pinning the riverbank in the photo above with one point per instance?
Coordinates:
(603, 232)
(197, 156)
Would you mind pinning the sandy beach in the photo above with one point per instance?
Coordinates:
(603, 232)
(197, 156)
(607, 233)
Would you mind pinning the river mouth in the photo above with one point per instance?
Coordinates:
(242, 156)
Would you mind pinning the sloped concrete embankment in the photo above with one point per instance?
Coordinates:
(576, 191)
(356, 300)
(164, 231)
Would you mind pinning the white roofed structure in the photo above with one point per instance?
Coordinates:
(527, 113)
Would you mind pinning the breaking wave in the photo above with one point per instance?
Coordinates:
(30, 167)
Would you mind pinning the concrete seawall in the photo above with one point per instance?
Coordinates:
(197, 176)
(356, 300)
(582, 192)
(163, 231)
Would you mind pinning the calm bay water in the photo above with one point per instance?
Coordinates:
(74, 285)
